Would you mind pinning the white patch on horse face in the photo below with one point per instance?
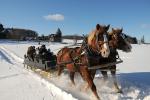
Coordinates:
(83, 52)
(105, 38)
(106, 51)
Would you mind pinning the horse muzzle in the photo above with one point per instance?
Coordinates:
(105, 53)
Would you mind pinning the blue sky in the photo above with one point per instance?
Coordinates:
(77, 16)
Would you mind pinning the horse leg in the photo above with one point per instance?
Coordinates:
(60, 68)
(27, 67)
(86, 75)
(104, 73)
(71, 74)
(32, 58)
(93, 72)
(113, 73)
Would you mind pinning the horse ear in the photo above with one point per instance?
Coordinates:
(121, 30)
(113, 29)
(97, 27)
(107, 27)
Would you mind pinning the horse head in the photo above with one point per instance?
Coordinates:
(98, 40)
(120, 40)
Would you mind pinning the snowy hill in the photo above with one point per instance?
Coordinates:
(133, 77)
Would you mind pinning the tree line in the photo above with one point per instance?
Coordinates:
(25, 34)
(16, 33)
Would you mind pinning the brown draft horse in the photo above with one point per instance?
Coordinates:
(68, 57)
(117, 40)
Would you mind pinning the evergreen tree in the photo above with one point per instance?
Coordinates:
(2, 34)
(58, 32)
(1, 28)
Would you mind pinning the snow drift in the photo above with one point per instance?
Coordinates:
(133, 74)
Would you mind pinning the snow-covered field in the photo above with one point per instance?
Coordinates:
(17, 83)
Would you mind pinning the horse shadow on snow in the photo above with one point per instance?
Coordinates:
(135, 85)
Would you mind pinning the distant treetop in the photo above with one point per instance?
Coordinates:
(58, 32)
(1, 27)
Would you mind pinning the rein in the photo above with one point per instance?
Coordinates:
(97, 42)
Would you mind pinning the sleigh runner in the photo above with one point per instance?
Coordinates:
(41, 64)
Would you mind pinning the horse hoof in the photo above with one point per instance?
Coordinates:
(71, 84)
(98, 98)
(74, 84)
(120, 91)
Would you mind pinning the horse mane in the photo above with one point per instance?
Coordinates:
(91, 37)
(110, 33)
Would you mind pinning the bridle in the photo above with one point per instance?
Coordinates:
(115, 36)
(125, 39)
(99, 44)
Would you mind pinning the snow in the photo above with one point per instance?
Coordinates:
(133, 76)
(16, 83)
(137, 60)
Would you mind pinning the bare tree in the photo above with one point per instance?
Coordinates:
(143, 40)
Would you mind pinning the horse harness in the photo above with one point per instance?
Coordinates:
(89, 53)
